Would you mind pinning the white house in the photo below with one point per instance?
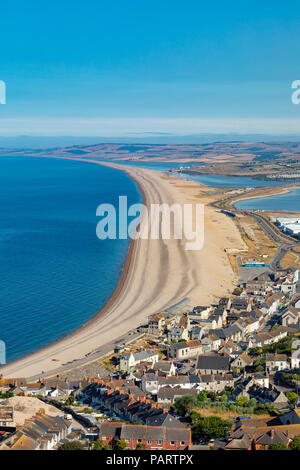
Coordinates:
(295, 359)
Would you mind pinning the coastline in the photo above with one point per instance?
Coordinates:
(280, 191)
(175, 274)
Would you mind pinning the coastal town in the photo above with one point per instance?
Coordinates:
(149, 231)
(222, 376)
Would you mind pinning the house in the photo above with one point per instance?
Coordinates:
(276, 362)
(129, 360)
(6, 416)
(153, 437)
(290, 316)
(270, 437)
(230, 348)
(156, 324)
(225, 303)
(245, 382)
(216, 382)
(274, 303)
(268, 395)
(34, 389)
(149, 383)
(165, 367)
(295, 359)
(241, 361)
(274, 336)
(291, 417)
(41, 432)
(259, 282)
(200, 313)
(181, 381)
(260, 433)
(239, 440)
(255, 439)
(178, 334)
(185, 350)
(232, 332)
(196, 332)
(212, 364)
(167, 395)
(211, 342)
(241, 303)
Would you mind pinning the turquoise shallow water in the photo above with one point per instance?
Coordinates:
(55, 274)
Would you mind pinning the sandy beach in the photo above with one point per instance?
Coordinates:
(156, 275)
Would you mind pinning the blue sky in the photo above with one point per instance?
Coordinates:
(115, 68)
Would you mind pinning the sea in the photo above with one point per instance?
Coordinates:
(55, 274)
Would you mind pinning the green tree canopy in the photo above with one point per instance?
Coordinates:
(295, 444)
(241, 401)
(184, 405)
(210, 427)
(292, 397)
(99, 445)
(121, 444)
(278, 446)
(72, 445)
(141, 446)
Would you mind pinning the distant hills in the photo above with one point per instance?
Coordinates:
(212, 153)
(46, 142)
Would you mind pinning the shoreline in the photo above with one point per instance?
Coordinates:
(285, 190)
(119, 285)
(175, 274)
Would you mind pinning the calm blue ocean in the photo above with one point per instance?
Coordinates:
(55, 274)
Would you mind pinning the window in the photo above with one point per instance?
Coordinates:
(158, 443)
(172, 443)
(182, 443)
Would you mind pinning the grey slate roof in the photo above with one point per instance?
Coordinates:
(213, 362)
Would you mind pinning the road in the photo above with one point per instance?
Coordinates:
(286, 243)
(89, 358)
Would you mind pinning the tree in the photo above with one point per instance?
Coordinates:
(121, 444)
(295, 444)
(223, 397)
(211, 394)
(278, 446)
(292, 397)
(202, 396)
(241, 401)
(70, 400)
(141, 446)
(184, 405)
(72, 445)
(99, 445)
(210, 427)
